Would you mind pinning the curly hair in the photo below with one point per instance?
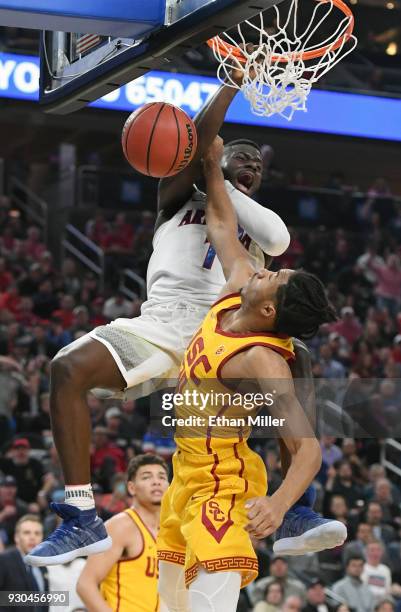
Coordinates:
(302, 306)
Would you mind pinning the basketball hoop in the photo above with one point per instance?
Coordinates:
(280, 69)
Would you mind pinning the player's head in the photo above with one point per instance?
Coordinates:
(242, 165)
(288, 302)
(147, 479)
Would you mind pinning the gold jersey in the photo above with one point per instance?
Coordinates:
(131, 585)
(203, 514)
(212, 416)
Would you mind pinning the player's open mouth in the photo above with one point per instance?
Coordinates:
(245, 181)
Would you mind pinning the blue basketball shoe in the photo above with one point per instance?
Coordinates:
(80, 534)
(304, 531)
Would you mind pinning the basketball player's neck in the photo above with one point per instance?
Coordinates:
(242, 321)
(149, 513)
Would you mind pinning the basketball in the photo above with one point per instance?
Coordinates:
(159, 139)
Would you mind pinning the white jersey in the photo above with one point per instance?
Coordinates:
(184, 265)
(184, 279)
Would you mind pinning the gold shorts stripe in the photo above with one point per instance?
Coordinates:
(224, 564)
(171, 556)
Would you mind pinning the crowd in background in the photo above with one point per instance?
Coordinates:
(43, 308)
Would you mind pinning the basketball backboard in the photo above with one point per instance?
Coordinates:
(78, 68)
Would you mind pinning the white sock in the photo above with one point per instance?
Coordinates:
(80, 496)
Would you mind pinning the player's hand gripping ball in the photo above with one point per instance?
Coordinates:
(159, 139)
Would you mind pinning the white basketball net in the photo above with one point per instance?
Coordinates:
(282, 87)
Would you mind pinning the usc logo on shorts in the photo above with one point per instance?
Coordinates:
(216, 520)
(215, 510)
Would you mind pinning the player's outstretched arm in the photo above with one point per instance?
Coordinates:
(175, 191)
(222, 224)
(301, 370)
(266, 513)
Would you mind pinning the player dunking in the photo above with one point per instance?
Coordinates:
(184, 278)
(111, 580)
(218, 494)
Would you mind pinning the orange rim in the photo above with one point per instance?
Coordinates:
(226, 48)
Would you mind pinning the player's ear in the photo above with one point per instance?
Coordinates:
(131, 488)
(269, 311)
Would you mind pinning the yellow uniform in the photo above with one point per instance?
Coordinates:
(131, 585)
(215, 472)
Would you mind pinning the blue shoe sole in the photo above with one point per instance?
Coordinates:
(328, 535)
(91, 549)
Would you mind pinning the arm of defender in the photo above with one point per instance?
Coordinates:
(175, 191)
(263, 225)
(98, 566)
(222, 224)
(266, 513)
(301, 370)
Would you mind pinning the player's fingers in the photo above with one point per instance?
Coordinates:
(251, 502)
(258, 522)
(253, 513)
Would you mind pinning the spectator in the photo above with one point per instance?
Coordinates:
(385, 605)
(368, 261)
(374, 517)
(273, 598)
(65, 313)
(383, 496)
(107, 458)
(348, 326)
(15, 575)
(351, 589)
(56, 336)
(11, 508)
(338, 509)
(331, 368)
(344, 484)
(71, 281)
(376, 575)
(34, 248)
(30, 281)
(388, 283)
(279, 572)
(117, 500)
(293, 603)
(5, 276)
(45, 302)
(377, 471)
(11, 382)
(358, 546)
(28, 472)
(330, 451)
(396, 350)
(117, 306)
(316, 598)
(97, 316)
(98, 497)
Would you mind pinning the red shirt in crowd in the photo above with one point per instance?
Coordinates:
(112, 451)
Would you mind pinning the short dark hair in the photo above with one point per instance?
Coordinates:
(355, 557)
(145, 459)
(302, 306)
(239, 141)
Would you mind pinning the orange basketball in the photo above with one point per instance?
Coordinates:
(159, 139)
